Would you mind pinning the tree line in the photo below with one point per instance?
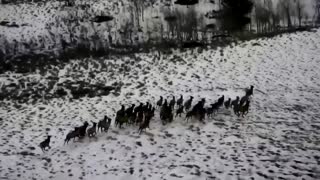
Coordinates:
(84, 30)
(263, 16)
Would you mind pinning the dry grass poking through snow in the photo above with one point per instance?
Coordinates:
(279, 139)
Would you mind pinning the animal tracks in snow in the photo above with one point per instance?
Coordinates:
(277, 140)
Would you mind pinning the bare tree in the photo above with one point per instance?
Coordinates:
(300, 10)
(285, 8)
(316, 7)
(171, 20)
(259, 17)
(265, 16)
(138, 9)
(274, 15)
(190, 24)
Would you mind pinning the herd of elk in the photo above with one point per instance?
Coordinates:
(142, 115)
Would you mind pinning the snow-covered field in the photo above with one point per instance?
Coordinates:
(278, 139)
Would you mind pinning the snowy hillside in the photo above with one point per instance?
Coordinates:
(43, 28)
(278, 139)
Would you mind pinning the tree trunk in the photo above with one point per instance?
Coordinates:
(299, 16)
(288, 17)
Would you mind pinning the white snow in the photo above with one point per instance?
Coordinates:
(279, 138)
